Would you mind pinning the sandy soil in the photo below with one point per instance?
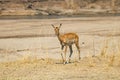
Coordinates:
(29, 50)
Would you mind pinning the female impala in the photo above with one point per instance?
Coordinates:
(66, 40)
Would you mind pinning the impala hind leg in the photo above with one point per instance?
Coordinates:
(71, 51)
(78, 48)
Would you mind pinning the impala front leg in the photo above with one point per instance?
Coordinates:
(62, 53)
(78, 48)
(65, 55)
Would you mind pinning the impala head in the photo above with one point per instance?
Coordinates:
(56, 29)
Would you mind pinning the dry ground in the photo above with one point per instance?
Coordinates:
(30, 51)
(47, 69)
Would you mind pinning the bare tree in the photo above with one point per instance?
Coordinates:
(113, 5)
(70, 3)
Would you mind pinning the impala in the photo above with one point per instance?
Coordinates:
(67, 40)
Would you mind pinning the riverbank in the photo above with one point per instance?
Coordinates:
(36, 36)
(49, 12)
(17, 8)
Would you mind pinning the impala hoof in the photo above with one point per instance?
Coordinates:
(66, 62)
(78, 61)
(79, 58)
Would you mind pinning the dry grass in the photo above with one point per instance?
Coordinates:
(30, 68)
(104, 49)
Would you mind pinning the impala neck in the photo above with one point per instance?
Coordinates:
(58, 35)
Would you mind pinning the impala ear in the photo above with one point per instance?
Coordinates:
(52, 25)
(60, 25)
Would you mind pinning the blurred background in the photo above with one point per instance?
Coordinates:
(59, 7)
